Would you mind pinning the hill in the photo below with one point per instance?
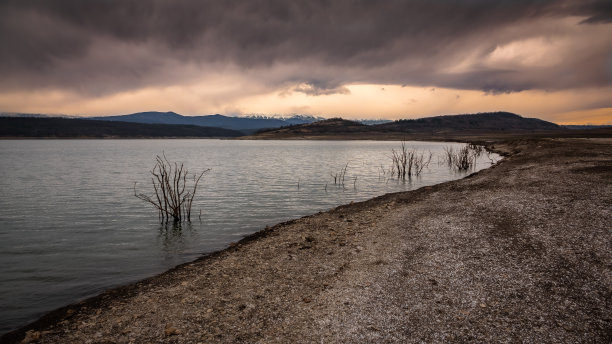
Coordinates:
(245, 124)
(86, 128)
(439, 127)
(324, 127)
(489, 121)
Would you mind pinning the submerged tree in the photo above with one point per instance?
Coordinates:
(408, 162)
(464, 158)
(340, 176)
(174, 190)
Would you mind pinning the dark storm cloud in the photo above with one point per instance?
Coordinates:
(99, 46)
(599, 11)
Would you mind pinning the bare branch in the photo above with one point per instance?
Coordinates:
(172, 196)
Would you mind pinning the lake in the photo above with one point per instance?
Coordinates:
(70, 226)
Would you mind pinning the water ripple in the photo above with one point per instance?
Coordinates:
(71, 227)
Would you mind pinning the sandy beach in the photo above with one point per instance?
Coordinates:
(520, 252)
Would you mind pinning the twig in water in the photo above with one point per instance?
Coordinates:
(171, 199)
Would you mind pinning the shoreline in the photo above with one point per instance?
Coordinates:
(472, 137)
(315, 260)
(130, 289)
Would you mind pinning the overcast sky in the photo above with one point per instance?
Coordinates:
(355, 59)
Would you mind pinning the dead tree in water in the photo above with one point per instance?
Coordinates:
(173, 198)
(464, 158)
(340, 176)
(420, 162)
(407, 163)
(402, 161)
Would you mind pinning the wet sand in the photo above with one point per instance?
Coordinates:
(520, 252)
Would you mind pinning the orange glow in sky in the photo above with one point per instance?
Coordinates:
(551, 60)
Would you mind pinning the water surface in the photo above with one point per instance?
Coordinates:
(70, 226)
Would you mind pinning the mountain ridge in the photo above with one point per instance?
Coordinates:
(501, 120)
(247, 124)
(262, 127)
(489, 123)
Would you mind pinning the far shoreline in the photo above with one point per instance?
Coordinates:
(467, 137)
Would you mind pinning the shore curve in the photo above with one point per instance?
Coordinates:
(521, 251)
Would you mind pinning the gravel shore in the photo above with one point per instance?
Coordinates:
(520, 252)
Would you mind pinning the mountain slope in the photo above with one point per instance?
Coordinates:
(245, 124)
(150, 117)
(432, 127)
(490, 121)
(325, 127)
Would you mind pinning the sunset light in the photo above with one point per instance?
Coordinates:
(532, 58)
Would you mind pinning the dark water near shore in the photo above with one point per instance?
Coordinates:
(70, 226)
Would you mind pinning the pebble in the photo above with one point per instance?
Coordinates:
(31, 336)
(170, 330)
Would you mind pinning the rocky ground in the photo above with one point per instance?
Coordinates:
(521, 252)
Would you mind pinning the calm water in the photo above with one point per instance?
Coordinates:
(70, 226)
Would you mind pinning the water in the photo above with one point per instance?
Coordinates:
(70, 226)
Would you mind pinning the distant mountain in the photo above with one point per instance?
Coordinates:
(139, 125)
(306, 119)
(328, 127)
(248, 124)
(151, 117)
(489, 121)
(439, 127)
(332, 125)
(289, 120)
(86, 128)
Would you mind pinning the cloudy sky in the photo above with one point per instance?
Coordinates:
(350, 58)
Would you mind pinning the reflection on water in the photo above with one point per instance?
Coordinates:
(172, 236)
(70, 226)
